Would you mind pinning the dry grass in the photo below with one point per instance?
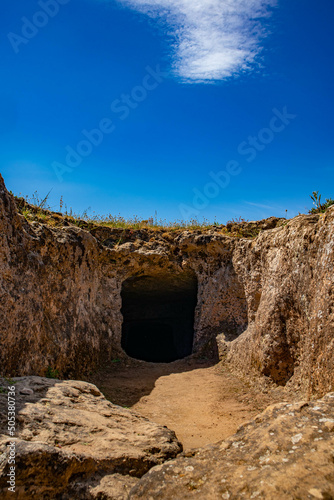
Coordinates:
(38, 209)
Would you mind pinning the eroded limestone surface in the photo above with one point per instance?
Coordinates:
(73, 443)
(265, 303)
(287, 452)
(268, 300)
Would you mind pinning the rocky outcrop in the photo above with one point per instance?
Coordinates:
(288, 276)
(52, 312)
(284, 453)
(72, 443)
(267, 299)
(60, 289)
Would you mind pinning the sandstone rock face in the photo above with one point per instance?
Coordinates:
(287, 453)
(269, 300)
(288, 275)
(72, 443)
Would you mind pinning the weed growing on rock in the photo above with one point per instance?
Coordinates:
(10, 381)
(37, 209)
(319, 208)
(51, 373)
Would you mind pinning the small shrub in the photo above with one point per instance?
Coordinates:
(10, 381)
(51, 373)
(239, 220)
(319, 208)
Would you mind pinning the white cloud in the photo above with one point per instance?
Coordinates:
(212, 39)
(258, 205)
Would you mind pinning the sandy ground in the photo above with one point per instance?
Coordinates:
(201, 403)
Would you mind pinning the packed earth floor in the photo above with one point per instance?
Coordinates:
(202, 402)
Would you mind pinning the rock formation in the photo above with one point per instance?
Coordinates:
(287, 452)
(74, 296)
(72, 443)
(267, 301)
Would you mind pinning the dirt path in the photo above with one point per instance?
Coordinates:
(202, 404)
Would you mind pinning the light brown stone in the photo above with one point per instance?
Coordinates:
(72, 443)
(267, 302)
(285, 453)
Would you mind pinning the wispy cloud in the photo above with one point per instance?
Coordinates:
(211, 39)
(258, 205)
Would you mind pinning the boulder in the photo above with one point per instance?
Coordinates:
(71, 442)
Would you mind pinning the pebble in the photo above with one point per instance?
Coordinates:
(315, 493)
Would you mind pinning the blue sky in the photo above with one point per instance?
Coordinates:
(205, 110)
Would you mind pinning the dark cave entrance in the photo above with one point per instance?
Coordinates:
(158, 316)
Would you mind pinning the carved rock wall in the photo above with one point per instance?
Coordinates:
(270, 298)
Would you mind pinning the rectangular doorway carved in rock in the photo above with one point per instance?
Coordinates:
(158, 316)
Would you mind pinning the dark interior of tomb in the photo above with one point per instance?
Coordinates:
(158, 316)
